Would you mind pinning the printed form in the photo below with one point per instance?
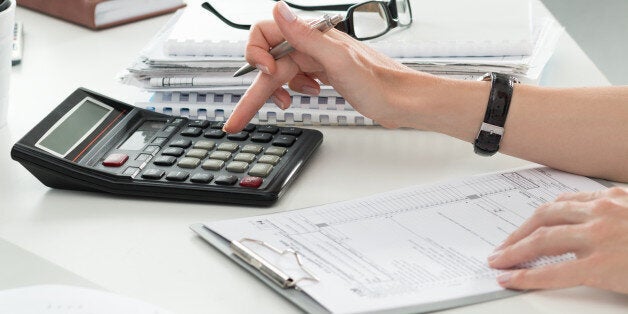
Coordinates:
(418, 245)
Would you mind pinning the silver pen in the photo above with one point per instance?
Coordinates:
(323, 24)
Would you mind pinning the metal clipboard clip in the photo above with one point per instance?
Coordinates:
(269, 270)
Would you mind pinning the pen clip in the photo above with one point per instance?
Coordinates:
(268, 269)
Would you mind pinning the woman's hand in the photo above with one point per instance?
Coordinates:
(372, 83)
(592, 225)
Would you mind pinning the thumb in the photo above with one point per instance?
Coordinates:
(300, 34)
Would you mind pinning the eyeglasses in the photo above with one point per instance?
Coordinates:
(366, 20)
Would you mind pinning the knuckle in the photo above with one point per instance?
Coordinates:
(616, 192)
(564, 196)
(540, 235)
(602, 206)
(542, 209)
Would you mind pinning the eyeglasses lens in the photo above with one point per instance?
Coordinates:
(369, 20)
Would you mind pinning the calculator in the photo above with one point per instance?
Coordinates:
(91, 142)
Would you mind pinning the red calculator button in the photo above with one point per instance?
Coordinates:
(115, 160)
(251, 182)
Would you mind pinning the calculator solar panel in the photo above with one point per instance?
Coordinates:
(91, 142)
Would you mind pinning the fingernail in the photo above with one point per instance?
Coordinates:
(504, 278)
(263, 68)
(310, 90)
(499, 247)
(278, 102)
(494, 256)
(285, 11)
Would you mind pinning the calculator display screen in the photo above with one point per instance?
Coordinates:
(142, 135)
(74, 127)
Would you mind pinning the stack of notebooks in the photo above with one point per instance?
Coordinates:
(189, 63)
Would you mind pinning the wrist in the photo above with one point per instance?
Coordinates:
(448, 106)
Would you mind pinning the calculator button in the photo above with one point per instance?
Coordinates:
(196, 153)
(272, 129)
(240, 136)
(189, 162)
(143, 157)
(269, 159)
(220, 155)
(208, 145)
(291, 131)
(246, 157)
(218, 125)
(115, 160)
(214, 134)
(199, 124)
(253, 149)
(226, 180)
(177, 176)
(213, 164)
(251, 182)
(154, 174)
(237, 166)
(284, 140)
(228, 147)
(249, 127)
(159, 140)
(261, 137)
(170, 129)
(151, 149)
(192, 132)
(165, 161)
(261, 170)
(130, 171)
(173, 151)
(201, 177)
(277, 151)
(176, 121)
(181, 143)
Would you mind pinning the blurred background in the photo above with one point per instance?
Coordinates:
(601, 29)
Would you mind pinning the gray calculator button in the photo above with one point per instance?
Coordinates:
(228, 147)
(226, 180)
(246, 157)
(196, 153)
(159, 140)
(165, 160)
(177, 176)
(208, 145)
(173, 151)
(237, 166)
(212, 164)
(130, 171)
(143, 157)
(181, 143)
(189, 162)
(201, 177)
(154, 174)
(277, 151)
(222, 155)
(253, 149)
(152, 149)
(261, 170)
(269, 159)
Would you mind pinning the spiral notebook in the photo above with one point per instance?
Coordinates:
(446, 28)
(326, 109)
(413, 250)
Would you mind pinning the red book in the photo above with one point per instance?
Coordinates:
(99, 14)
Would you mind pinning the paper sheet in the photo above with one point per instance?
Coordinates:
(412, 246)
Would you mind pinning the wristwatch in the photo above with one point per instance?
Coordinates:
(492, 129)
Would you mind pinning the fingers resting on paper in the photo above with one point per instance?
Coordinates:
(593, 225)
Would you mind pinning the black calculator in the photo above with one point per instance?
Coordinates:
(94, 143)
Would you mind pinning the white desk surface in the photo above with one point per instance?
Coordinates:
(143, 248)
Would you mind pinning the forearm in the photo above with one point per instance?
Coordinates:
(579, 130)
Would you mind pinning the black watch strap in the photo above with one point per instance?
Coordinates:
(492, 129)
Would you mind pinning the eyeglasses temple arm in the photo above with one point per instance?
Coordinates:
(333, 7)
(211, 9)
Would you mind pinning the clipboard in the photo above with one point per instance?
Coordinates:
(297, 297)
(309, 305)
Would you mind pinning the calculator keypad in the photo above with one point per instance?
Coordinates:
(199, 152)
